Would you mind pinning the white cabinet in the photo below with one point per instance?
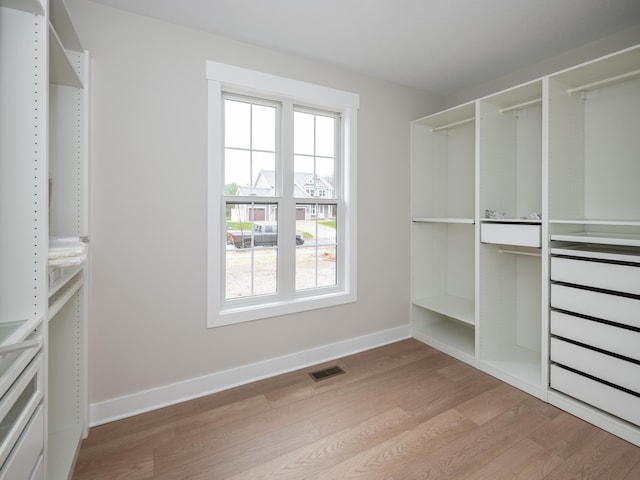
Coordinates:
(525, 237)
(43, 179)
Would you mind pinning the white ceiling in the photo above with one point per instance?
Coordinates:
(444, 46)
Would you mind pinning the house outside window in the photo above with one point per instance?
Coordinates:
(281, 183)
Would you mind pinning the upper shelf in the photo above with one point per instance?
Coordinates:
(61, 69)
(30, 6)
(62, 24)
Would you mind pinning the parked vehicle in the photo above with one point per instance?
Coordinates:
(263, 235)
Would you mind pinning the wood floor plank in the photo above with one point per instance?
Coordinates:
(330, 450)
(380, 461)
(609, 459)
(526, 460)
(466, 455)
(403, 411)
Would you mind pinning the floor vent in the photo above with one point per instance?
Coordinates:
(326, 373)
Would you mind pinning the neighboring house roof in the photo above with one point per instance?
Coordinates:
(266, 182)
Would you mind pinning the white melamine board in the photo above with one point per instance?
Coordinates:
(609, 276)
(613, 253)
(35, 7)
(621, 341)
(609, 399)
(459, 308)
(615, 308)
(67, 162)
(61, 69)
(22, 165)
(612, 143)
(602, 366)
(61, 22)
(450, 337)
(599, 238)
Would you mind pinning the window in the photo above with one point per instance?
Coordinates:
(282, 191)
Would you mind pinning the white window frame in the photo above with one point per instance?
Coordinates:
(229, 78)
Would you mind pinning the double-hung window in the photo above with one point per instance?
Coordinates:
(282, 195)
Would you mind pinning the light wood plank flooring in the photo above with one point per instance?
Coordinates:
(400, 412)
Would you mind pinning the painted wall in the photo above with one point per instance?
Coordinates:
(619, 41)
(148, 206)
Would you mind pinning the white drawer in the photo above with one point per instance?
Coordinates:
(17, 408)
(600, 365)
(615, 308)
(510, 234)
(607, 337)
(610, 276)
(604, 397)
(24, 458)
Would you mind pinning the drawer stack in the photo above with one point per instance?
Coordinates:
(595, 327)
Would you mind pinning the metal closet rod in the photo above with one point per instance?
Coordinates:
(520, 105)
(454, 124)
(604, 81)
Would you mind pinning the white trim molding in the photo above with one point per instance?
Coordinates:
(152, 399)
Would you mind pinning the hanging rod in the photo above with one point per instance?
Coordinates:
(520, 105)
(529, 251)
(604, 81)
(454, 124)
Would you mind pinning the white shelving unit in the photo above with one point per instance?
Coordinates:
(510, 268)
(499, 188)
(43, 131)
(443, 233)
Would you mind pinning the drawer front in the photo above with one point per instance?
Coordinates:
(18, 405)
(604, 397)
(607, 337)
(623, 310)
(505, 234)
(25, 456)
(600, 365)
(610, 276)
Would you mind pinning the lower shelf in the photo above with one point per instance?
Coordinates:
(63, 450)
(450, 337)
(521, 367)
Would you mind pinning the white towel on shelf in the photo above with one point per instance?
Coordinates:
(66, 251)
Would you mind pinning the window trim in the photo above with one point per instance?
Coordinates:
(229, 78)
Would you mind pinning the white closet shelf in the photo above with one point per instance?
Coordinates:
(18, 331)
(450, 337)
(615, 253)
(511, 220)
(30, 6)
(67, 273)
(63, 294)
(629, 240)
(62, 72)
(517, 361)
(592, 221)
(461, 309)
(469, 221)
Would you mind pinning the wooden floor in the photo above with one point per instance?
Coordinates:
(403, 411)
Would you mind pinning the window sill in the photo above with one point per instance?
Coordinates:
(246, 313)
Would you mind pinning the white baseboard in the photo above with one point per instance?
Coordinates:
(147, 400)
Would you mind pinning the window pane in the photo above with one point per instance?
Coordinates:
(250, 145)
(237, 167)
(252, 254)
(316, 260)
(325, 136)
(314, 161)
(237, 126)
(264, 128)
(303, 126)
